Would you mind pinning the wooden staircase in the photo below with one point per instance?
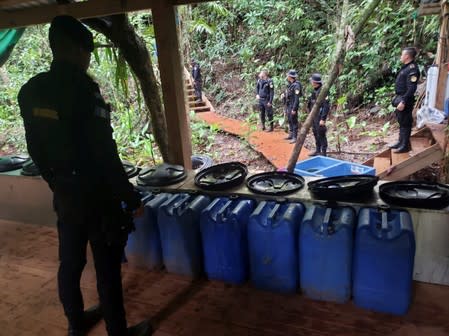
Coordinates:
(428, 146)
(204, 106)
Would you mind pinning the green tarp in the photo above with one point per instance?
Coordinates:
(8, 39)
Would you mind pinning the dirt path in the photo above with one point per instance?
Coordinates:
(271, 145)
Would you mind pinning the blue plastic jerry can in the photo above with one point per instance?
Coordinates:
(179, 226)
(325, 252)
(273, 246)
(225, 243)
(384, 254)
(144, 245)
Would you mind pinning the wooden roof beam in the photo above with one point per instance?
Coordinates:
(80, 10)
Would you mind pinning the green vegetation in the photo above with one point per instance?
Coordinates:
(243, 36)
(233, 40)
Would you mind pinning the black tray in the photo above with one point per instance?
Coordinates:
(161, 175)
(221, 176)
(275, 183)
(415, 194)
(347, 187)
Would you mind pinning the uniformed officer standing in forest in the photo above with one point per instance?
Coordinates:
(265, 95)
(292, 104)
(69, 137)
(405, 88)
(319, 122)
(197, 81)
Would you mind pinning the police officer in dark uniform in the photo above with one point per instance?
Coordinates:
(405, 87)
(294, 92)
(319, 122)
(69, 137)
(265, 95)
(197, 81)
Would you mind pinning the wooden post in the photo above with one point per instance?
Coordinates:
(172, 80)
(442, 58)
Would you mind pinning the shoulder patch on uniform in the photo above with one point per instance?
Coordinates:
(45, 113)
(413, 79)
(412, 66)
(297, 91)
(101, 112)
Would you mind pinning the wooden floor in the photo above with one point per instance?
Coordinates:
(29, 304)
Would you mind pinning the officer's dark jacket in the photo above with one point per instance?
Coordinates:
(265, 89)
(196, 73)
(293, 95)
(68, 132)
(407, 82)
(324, 109)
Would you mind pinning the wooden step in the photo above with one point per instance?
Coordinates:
(429, 9)
(382, 163)
(201, 109)
(397, 158)
(189, 87)
(193, 104)
(419, 144)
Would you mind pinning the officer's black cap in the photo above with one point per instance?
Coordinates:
(292, 74)
(65, 26)
(316, 77)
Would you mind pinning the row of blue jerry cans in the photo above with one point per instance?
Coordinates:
(234, 241)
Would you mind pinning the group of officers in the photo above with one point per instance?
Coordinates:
(291, 99)
(69, 137)
(403, 102)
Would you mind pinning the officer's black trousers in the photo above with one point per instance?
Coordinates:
(405, 117)
(79, 222)
(405, 120)
(319, 132)
(293, 124)
(198, 90)
(265, 112)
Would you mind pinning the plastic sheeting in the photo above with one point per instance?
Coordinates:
(8, 39)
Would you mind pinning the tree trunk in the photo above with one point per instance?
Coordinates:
(121, 32)
(340, 54)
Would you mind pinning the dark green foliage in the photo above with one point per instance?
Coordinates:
(247, 35)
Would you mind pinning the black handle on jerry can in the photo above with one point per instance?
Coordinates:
(181, 205)
(326, 220)
(384, 221)
(272, 214)
(383, 227)
(224, 211)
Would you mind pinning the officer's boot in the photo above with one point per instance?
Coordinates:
(293, 140)
(324, 151)
(91, 317)
(317, 150)
(290, 136)
(144, 328)
(271, 127)
(405, 145)
(397, 144)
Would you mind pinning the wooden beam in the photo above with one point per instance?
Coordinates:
(172, 80)
(80, 10)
